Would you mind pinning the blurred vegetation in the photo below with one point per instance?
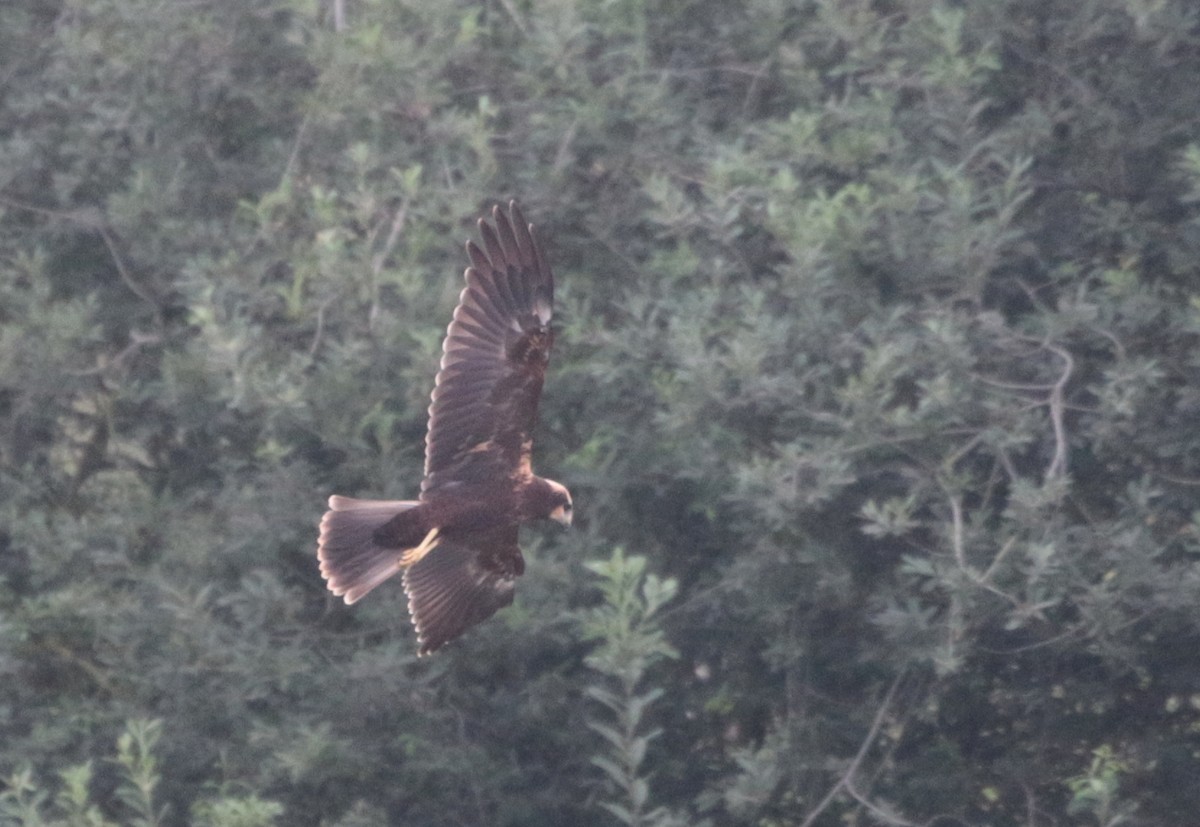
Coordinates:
(879, 352)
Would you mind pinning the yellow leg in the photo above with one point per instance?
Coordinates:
(414, 555)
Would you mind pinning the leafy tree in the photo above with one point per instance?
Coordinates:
(878, 340)
(629, 646)
(25, 803)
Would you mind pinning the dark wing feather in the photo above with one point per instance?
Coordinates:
(493, 360)
(462, 582)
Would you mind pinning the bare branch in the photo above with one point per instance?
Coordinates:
(886, 816)
(847, 778)
(1058, 465)
(126, 276)
(516, 16)
(93, 219)
(380, 258)
(956, 539)
(320, 331)
(958, 544)
(137, 340)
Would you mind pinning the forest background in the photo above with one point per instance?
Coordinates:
(877, 385)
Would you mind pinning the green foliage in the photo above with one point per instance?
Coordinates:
(878, 340)
(1095, 791)
(27, 803)
(250, 811)
(630, 644)
(135, 754)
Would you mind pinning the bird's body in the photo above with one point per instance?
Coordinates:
(479, 508)
(457, 544)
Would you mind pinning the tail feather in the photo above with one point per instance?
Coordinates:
(352, 563)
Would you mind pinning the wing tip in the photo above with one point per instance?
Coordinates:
(517, 217)
(526, 250)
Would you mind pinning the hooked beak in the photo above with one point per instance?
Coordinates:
(562, 515)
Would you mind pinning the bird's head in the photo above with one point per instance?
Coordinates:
(560, 503)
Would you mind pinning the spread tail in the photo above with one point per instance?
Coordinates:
(352, 562)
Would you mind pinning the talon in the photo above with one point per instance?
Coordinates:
(415, 555)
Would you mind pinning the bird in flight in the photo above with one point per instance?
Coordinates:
(457, 543)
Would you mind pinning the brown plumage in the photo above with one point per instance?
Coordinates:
(457, 543)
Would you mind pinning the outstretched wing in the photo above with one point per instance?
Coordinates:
(493, 361)
(461, 583)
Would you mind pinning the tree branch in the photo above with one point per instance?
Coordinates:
(93, 219)
(847, 778)
(1058, 465)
